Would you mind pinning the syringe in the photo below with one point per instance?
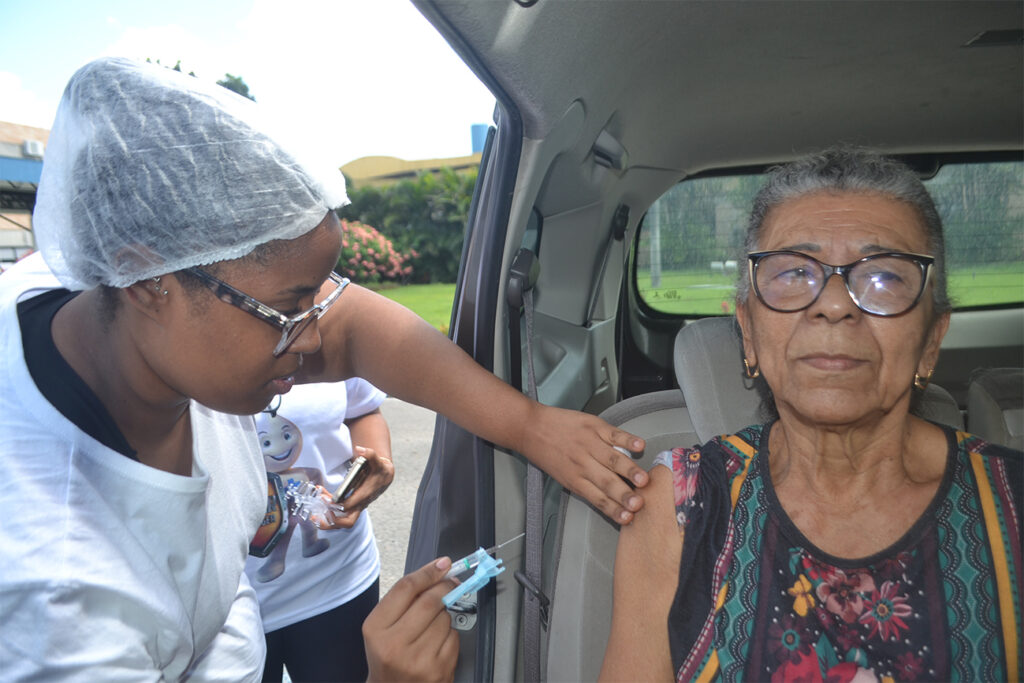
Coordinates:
(470, 562)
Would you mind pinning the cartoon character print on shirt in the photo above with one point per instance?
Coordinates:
(281, 443)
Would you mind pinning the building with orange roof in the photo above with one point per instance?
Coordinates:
(375, 171)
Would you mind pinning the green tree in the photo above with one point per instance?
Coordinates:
(232, 83)
(236, 84)
(176, 67)
(982, 209)
(424, 216)
(701, 221)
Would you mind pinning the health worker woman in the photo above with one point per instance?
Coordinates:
(187, 281)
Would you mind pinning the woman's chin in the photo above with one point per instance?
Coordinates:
(235, 405)
(832, 407)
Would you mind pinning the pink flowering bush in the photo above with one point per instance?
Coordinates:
(367, 256)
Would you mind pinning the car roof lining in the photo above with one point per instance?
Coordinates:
(693, 86)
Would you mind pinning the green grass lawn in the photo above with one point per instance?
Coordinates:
(987, 285)
(431, 302)
(688, 292)
(697, 293)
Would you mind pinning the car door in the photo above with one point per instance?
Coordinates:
(454, 511)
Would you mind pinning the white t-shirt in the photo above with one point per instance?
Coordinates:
(311, 418)
(113, 570)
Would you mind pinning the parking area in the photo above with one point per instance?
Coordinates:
(412, 429)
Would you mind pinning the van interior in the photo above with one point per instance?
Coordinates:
(628, 140)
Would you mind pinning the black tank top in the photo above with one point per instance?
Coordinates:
(56, 379)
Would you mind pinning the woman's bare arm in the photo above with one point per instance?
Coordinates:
(646, 576)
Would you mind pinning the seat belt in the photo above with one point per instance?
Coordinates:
(522, 277)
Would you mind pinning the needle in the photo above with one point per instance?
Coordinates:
(494, 548)
(470, 562)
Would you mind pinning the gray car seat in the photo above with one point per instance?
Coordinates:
(995, 406)
(581, 597)
(721, 400)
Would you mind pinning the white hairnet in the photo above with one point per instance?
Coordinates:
(148, 171)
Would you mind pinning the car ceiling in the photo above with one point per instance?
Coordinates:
(695, 85)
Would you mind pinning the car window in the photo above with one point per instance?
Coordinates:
(690, 245)
(982, 209)
(691, 241)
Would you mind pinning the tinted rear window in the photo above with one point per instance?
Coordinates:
(691, 242)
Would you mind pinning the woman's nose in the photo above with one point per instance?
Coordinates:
(308, 341)
(835, 301)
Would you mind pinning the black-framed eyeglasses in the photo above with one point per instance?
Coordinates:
(884, 284)
(291, 327)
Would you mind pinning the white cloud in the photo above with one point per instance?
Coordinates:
(369, 78)
(168, 44)
(363, 77)
(360, 78)
(18, 105)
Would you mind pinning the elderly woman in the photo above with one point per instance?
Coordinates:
(189, 247)
(846, 539)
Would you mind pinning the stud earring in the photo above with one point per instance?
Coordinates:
(157, 287)
(752, 374)
(920, 382)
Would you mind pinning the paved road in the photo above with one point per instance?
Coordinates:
(412, 430)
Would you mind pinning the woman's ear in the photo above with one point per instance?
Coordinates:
(149, 296)
(743, 318)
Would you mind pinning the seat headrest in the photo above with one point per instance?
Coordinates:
(995, 406)
(708, 359)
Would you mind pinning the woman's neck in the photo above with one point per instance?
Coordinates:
(891, 446)
(855, 490)
(153, 419)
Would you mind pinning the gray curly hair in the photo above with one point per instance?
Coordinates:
(849, 169)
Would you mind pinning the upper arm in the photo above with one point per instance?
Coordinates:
(646, 576)
(364, 335)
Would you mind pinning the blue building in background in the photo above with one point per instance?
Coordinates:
(21, 164)
(478, 133)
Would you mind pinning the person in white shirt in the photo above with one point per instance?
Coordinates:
(319, 583)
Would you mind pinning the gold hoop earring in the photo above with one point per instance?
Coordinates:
(752, 375)
(920, 382)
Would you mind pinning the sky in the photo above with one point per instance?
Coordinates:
(361, 77)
